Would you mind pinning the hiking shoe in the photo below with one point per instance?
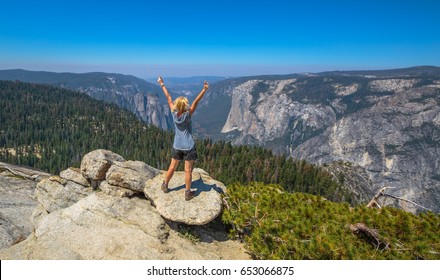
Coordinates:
(164, 187)
(189, 194)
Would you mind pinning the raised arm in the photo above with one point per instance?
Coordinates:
(198, 98)
(167, 94)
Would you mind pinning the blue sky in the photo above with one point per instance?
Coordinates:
(227, 38)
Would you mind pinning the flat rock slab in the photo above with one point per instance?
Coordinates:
(28, 173)
(16, 205)
(202, 209)
(97, 227)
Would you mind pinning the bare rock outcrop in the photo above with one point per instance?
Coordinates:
(17, 202)
(116, 221)
(97, 227)
(202, 209)
(74, 175)
(130, 175)
(56, 193)
(115, 190)
(106, 227)
(95, 164)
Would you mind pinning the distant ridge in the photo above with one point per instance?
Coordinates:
(138, 96)
(410, 71)
(68, 78)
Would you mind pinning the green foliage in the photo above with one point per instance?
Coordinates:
(245, 164)
(279, 225)
(188, 233)
(52, 129)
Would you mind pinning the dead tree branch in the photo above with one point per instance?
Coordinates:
(370, 234)
(225, 202)
(381, 193)
(374, 201)
(407, 200)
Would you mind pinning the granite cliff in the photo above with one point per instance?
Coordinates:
(384, 122)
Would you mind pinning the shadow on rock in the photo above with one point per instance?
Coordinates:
(214, 231)
(199, 186)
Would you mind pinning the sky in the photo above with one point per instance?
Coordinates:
(217, 38)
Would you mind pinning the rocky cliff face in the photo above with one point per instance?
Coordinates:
(386, 122)
(114, 209)
(144, 99)
(133, 94)
(397, 141)
(262, 112)
(152, 110)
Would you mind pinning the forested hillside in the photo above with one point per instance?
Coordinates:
(52, 128)
(280, 225)
(128, 92)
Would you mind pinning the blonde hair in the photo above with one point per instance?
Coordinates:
(181, 104)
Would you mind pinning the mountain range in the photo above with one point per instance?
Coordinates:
(384, 123)
(144, 98)
(138, 96)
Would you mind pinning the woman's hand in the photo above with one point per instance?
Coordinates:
(165, 91)
(160, 81)
(198, 98)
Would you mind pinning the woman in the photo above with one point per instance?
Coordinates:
(184, 147)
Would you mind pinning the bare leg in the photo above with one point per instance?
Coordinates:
(170, 172)
(188, 173)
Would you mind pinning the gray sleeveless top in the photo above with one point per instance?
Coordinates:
(183, 139)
